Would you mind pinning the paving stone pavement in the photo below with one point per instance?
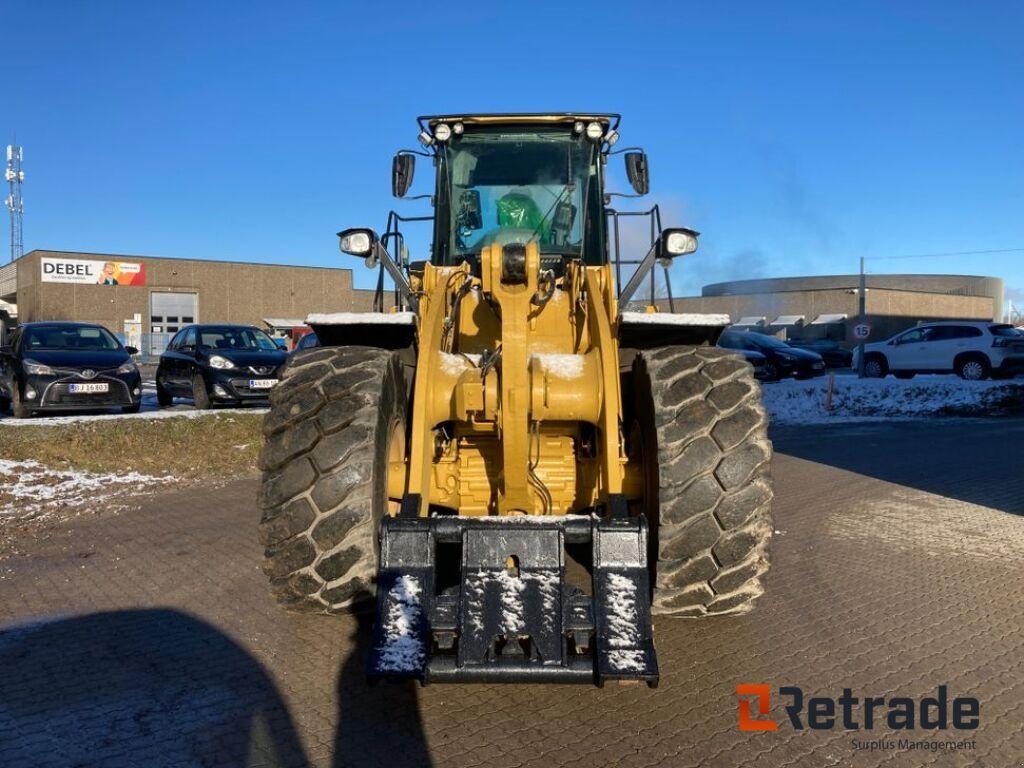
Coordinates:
(148, 638)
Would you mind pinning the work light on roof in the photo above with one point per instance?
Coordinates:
(443, 132)
(458, 128)
(425, 139)
(594, 131)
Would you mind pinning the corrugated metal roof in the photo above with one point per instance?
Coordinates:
(788, 320)
(284, 322)
(826, 319)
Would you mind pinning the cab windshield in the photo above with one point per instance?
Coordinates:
(499, 186)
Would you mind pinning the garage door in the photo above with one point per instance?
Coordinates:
(169, 312)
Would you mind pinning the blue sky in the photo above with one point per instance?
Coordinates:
(795, 136)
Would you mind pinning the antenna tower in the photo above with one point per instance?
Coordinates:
(15, 177)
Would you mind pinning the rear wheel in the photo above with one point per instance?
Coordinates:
(336, 420)
(200, 395)
(706, 458)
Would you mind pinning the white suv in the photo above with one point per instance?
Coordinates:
(974, 350)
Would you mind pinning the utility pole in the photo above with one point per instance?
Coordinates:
(14, 177)
(861, 291)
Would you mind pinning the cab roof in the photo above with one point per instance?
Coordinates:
(427, 122)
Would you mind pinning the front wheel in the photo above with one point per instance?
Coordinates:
(973, 368)
(18, 409)
(200, 394)
(337, 423)
(875, 367)
(706, 458)
(163, 397)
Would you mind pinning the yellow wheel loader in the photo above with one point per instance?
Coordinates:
(517, 468)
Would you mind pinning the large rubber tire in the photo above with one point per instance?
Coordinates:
(709, 492)
(330, 427)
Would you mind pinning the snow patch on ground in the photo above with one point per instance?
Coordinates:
(853, 399)
(561, 366)
(403, 649)
(28, 486)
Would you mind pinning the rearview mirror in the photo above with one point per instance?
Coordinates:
(636, 170)
(403, 167)
(131, 350)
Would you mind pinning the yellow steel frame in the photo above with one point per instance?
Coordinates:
(516, 406)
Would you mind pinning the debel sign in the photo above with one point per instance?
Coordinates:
(93, 272)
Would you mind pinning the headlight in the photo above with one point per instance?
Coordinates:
(128, 367)
(678, 242)
(220, 363)
(37, 369)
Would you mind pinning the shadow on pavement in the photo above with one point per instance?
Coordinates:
(146, 687)
(973, 460)
(377, 725)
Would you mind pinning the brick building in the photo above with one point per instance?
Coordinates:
(146, 298)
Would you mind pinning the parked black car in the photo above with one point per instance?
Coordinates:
(757, 360)
(783, 360)
(218, 363)
(64, 366)
(833, 354)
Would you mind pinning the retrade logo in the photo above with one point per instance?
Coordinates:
(855, 713)
(763, 696)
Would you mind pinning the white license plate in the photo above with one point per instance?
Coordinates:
(261, 383)
(81, 389)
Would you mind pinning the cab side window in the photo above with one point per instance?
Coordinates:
(188, 343)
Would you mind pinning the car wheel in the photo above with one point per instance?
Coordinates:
(974, 368)
(18, 409)
(5, 405)
(163, 397)
(875, 367)
(200, 395)
(904, 374)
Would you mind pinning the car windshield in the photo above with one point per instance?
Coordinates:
(236, 338)
(514, 187)
(90, 338)
(760, 340)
